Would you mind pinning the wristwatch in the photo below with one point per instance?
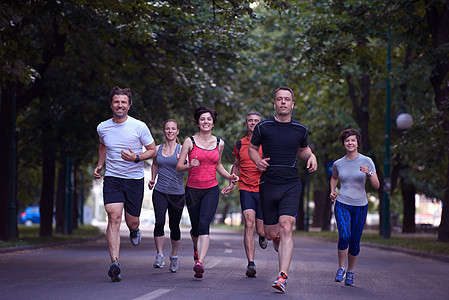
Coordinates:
(370, 173)
(138, 159)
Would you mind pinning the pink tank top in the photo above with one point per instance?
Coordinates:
(205, 175)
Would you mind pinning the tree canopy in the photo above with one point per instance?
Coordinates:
(59, 60)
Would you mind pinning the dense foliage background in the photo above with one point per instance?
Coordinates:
(59, 60)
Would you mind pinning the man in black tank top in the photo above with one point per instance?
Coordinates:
(282, 140)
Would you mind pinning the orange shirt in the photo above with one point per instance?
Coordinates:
(249, 175)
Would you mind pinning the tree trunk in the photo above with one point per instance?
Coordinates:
(443, 229)
(320, 197)
(60, 199)
(48, 172)
(23, 97)
(75, 212)
(438, 20)
(225, 212)
(327, 216)
(300, 217)
(7, 166)
(48, 190)
(408, 198)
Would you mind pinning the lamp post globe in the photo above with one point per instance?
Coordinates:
(404, 121)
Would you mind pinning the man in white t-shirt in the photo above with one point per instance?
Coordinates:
(122, 139)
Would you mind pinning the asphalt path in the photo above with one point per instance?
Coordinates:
(79, 271)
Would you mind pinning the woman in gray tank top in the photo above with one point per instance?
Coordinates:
(168, 194)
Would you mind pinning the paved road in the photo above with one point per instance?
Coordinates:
(78, 271)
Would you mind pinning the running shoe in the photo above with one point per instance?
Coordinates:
(340, 275)
(135, 236)
(263, 242)
(281, 282)
(173, 264)
(276, 243)
(159, 262)
(195, 255)
(198, 269)
(349, 278)
(251, 269)
(114, 272)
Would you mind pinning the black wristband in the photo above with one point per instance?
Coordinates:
(137, 159)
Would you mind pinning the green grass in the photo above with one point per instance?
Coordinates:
(418, 242)
(30, 236)
(423, 243)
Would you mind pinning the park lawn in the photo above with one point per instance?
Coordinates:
(424, 243)
(30, 236)
(417, 242)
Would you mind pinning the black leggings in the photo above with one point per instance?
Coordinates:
(175, 205)
(202, 204)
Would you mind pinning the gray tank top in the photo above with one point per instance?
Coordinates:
(169, 180)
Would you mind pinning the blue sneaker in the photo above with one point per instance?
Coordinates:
(114, 272)
(349, 278)
(340, 275)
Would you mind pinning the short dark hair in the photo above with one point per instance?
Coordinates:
(286, 88)
(201, 110)
(119, 91)
(348, 132)
(256, 113)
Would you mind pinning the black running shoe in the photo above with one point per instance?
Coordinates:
(276, 243)
(251, 269)
(263, 242)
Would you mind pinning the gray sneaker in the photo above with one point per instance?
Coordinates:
(135, 236)
(173, 264)
(159, 262)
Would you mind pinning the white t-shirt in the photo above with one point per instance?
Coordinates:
(131, 134)
(352, 180)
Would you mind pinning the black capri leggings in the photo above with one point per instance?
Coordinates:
(175, 205)
(202, 205)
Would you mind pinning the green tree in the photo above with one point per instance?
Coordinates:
(62, 58)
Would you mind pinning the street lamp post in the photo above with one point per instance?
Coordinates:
(387, 180)
(403, 121)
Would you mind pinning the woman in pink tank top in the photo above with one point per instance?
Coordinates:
(203, 151)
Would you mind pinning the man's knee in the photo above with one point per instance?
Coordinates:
(114, 217)
(250, 223)
(286, 224)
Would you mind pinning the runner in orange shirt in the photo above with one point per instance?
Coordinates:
(249, 192)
